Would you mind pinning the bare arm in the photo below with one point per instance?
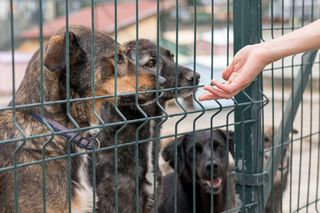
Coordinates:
(251, 60)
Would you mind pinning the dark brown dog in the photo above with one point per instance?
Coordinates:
(211, 157)
(130, 194)
(51, 177)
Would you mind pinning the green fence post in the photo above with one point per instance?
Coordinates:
(249, 175)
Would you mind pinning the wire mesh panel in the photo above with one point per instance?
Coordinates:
(291, 123)
(99, 108)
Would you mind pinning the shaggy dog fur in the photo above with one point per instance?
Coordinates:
(28, 181)
(137, 186)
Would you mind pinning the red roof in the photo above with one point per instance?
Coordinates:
(103, 17)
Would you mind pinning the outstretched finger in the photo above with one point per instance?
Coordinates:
(217, 92)
(207, 96)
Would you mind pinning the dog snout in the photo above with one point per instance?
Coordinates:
(191, 76)
(161, 80)
(215, 167)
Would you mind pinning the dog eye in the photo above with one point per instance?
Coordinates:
(120, 59)
(198, 148)
(151, 63)
(216, 146)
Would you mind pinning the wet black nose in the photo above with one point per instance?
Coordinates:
(215, 167)
(191, 75)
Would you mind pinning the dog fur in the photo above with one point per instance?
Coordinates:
(29, 179)
(279, 183)
(211, 153)
(147, 151)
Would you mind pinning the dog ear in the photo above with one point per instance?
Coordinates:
(169, 152)
(230, 133)
(130, 49)
(55, 53)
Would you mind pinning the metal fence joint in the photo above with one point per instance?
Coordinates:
(258, 179)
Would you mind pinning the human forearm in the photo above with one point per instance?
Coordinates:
(301, 40)
(250, 60)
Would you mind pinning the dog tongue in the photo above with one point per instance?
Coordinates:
(216, 182)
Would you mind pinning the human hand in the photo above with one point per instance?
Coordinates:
(244, 68)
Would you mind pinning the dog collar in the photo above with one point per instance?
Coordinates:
(85, 143)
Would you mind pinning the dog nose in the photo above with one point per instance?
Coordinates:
(191, 75)
(214, 167)
(161, 80)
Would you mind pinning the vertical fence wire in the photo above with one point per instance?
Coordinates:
(163, 119)
(310, 127)
(42, 100)
(67, 56)
(228, 115)
(273, 110)
(115, 154)
(16, 195)
(184, 113)
(292, 116)
(318, 151)
(194, 198)
(93, 155)
(137, 153)
(212, 203)
(196, 101)
(282, 103)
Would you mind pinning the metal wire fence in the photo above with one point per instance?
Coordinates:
(90, 141)
(296, 126)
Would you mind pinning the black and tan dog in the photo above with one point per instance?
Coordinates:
(211, 156)
(138, 185)
(26, 185)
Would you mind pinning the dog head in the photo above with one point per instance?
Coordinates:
(210, 154)
(167, 67)
(111, 75)
(268, 141)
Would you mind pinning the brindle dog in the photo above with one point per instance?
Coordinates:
(136, 171)
(28, 180)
